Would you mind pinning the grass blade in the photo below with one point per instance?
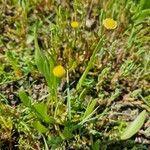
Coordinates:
(90, 64)
(89, 109)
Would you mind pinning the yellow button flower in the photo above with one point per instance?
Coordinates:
(74, 24)
(109, 23)
(59, 71)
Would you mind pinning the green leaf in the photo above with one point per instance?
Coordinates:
(96, 145)
(41, 112)
(141, 15)
(135, 126)
(52, 79)
(41, 60)
(67, 132)
(39, 56)
(141, 4)
(24, 98)
(146, 4)
(46, 73)
(90, 63)
(89, 109)
(41, 128)
(54, 142)
(146, 99)
(45, 65)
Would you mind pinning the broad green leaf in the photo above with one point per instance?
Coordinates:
(41, 60)
(135, 126)
(41, 112)
(67, 132)
(39, 56)
(45, 65)
(54, 141)
(89, 109)
(24, 98)
(41, 128)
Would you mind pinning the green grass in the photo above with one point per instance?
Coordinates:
(106, 85)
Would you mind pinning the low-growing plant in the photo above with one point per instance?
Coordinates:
(74, 74)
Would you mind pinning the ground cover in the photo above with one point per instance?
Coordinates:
(74, 74)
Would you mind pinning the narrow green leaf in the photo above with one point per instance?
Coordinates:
(89, 109)
(45, 143)
(52, 79)
(24, 98)
(146, 4)
(96, 145)
(146, 99)
(90, 63)
(141, 4)
(41, 128)
(41, 60)
(135, 126)
(142, 15)
(46, 73)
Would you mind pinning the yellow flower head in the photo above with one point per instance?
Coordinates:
(74, 24)
(59, 71)
(109, 23)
